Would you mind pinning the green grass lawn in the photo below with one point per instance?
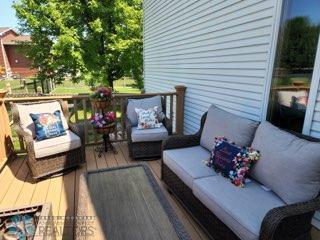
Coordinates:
(17, 86)
(68, 87)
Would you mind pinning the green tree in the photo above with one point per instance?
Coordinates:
(101, 39)
(300, 39)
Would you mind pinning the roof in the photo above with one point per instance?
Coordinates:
(17, 39)
(5, 29)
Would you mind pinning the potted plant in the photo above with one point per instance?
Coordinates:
(103, 123)
(101, 98)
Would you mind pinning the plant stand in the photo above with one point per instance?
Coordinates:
(101, 106)
(105, 146)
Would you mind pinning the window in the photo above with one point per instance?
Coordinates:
(294, 63)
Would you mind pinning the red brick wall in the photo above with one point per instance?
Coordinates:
(18, 62)
(9, 36)
(1, 54)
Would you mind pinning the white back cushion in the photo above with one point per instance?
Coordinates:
(144, 103)
(26, 121)
(220, 123)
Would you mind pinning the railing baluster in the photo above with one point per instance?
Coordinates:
(114, 109)
(165, 105)
(95, 135)
(75, 110)
(21, 143)
(123, 117)
(171, 111)
(85, 119)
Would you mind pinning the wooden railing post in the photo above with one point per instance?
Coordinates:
(180, 91)
(6, 146)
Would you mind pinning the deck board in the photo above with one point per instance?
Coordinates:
(26, 193)
(8, 176)
(19, 189)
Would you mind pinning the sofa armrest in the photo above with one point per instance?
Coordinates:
(181, 141)
(185, 141)
(27, 138)
(78, 129)
(290, 221)
(167, 123)
(128, 128)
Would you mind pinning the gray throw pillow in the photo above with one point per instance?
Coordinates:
(289, 166)
(144, 103)
(220, 123)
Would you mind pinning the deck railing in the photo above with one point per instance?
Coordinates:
(80, 109)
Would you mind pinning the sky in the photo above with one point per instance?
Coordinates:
(299, 7)
(7, 14)
(307, 7)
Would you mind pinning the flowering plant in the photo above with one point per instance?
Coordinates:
(232, 161)
(99, 120)
(102, 94)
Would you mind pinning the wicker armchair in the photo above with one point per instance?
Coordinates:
(150, 149)
(290, 222)
(53, 164)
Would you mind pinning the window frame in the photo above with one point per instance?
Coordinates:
(315, 81)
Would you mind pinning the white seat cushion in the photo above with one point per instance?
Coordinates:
(47, 107)
(241, 209)
(187, 163)
(56, 145)
(149, 135)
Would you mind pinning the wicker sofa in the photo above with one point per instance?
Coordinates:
(51, 156)
(207, 196)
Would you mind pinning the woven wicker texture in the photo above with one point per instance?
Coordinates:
(146, 150)
(291, 222)
(52, 164)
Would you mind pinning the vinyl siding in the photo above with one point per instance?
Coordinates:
(315, 126)
(219, 49)
(315, 132)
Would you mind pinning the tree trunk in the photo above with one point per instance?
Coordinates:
(42, 85)
(48, 88)
(110, 79)
(111, 84)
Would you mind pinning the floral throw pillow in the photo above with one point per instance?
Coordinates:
(48, 125)
(148, 118)
(232, 161)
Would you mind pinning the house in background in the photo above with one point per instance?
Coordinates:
(13, 62)
(257, 59)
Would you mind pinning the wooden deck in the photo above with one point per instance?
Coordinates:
(18, 189)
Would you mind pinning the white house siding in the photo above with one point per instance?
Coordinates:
(315, 132)
(219, 49)
(315, 126)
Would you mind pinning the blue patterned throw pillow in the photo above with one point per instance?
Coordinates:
(48, 125)
(232, 161)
